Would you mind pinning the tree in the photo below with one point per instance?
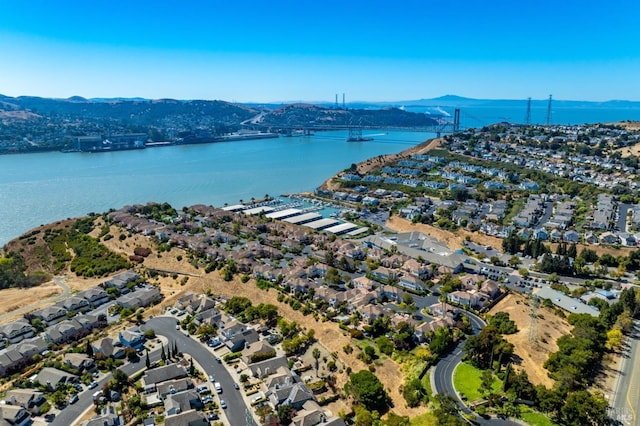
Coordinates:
(396, 420)
(147, 361)
(88, 350)
(413, 392)
(367, 390)
(119, 380)
(447, 412)
(486, 383)
(316, 357)
(285, 413)
(163, 355)
(582, 408)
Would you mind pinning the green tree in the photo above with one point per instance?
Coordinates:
(446, 413)
(366, 389)
(285, 413)
(385, 345)
(88, 350)
(486, 382)
(582, 408)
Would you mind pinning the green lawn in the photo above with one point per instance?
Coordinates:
(426, 419)
(534, 418)
(467, 379)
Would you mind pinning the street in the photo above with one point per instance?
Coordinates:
(237, 410)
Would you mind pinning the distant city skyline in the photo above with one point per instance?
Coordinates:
(277, 51)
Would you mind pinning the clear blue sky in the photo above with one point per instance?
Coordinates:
(310, 50)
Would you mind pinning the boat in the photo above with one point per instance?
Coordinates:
(359, 139)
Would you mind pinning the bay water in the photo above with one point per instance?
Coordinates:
(41, 188)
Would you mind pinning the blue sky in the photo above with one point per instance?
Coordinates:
(310, 50)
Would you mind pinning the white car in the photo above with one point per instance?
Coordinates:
(223, 404)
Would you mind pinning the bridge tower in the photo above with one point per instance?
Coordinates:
(549, 111)
(344, 106)
(336, 106)
(527, 118)
(456, 120)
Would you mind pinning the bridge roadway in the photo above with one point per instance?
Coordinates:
(443, 377)
(437, 128)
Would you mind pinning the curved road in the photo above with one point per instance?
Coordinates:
(443, 376)
(166, 326)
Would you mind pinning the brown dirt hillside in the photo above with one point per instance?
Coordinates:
(532, 355)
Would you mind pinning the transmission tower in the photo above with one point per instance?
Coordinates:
(527, 118)
(343, 104)
(336, 107)
(533, 324)
(549, 111)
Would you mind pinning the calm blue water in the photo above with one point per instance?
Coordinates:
(41, 188)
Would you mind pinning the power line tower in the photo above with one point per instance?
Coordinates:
(533, 324)
(527, 118)
(336, 106)
(549, 111)
(344, 107)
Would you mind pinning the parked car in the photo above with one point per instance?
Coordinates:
(74, 398)
(235, 385)
(223, 404)
(93, 384)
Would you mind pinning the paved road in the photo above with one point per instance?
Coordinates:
(626, 400)
(443, 376)
(166, 326)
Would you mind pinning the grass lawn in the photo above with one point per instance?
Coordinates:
(426, 419)
(534, 418)
(467, 380)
